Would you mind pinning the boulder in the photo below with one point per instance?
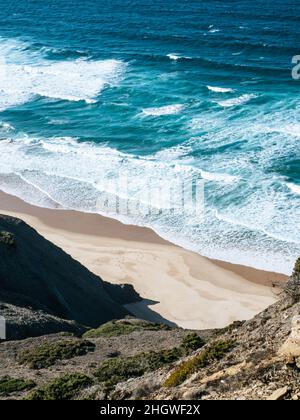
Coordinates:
(291, 347)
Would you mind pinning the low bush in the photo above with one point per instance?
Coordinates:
(9, 385)
(117, 328)
(63, 388)
(7, 238)
(292, 287)
(192, 342)
(213, 352)
(47, 354)
(123, 368)
(297, 267)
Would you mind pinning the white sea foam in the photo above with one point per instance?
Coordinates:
(6, 126)
(218, 177)
(174, 57)
(75, 174)
(163, 110)
(294, 188)
(219, 89)
(71, 81)
(290, 129)
(174, 153)
(237, 101)
(62, 171)
(32, 75)
(212, 29)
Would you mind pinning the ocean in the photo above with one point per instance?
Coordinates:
(157, 92)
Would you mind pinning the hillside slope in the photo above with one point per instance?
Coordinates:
(255, 360)
(43, 290)
(132, 359)
(39, 276)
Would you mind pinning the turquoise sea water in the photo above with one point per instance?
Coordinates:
(159, 91)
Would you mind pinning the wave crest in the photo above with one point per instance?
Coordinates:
(228, 103)
(23, 78)
(294, 188)
(163, 110)
(219, 89)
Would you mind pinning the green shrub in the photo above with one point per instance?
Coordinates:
(155, 360)
(7, 238)
(215, 351)
(9, 385)
(292, 287)
(63, 388)
(192, 342)
(117, 328)
(47, 354)
(297, 267)
(121, 369)
(110, 329)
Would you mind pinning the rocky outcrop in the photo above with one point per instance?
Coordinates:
(292, 288)
(22, 322)
(291, 347)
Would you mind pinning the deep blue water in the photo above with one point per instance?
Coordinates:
(158, 91)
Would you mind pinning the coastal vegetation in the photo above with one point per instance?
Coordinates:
(297, 267)
(191, 342)
(47, 354)
(213, 352)
(125, 326)
(112, 371)
(7, 238)
(63, 388)
(10, 385)
(109, 373)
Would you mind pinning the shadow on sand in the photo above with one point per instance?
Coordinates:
(142, 310)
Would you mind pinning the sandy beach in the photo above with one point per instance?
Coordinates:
(178, 286)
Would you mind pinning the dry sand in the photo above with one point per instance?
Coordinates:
(177, 285)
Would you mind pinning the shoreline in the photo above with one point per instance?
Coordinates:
(177, 285)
